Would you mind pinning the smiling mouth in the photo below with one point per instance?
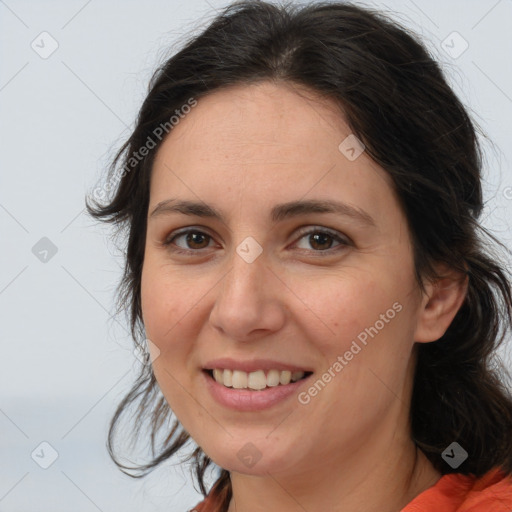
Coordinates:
(257, 380)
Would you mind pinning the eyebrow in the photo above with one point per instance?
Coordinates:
(278, 213)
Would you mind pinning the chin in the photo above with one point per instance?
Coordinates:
(252, 458)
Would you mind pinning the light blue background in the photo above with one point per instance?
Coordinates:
(65, 364)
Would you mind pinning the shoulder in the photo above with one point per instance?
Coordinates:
(455, 492)
(492, 492)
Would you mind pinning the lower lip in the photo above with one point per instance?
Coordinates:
(244, 400)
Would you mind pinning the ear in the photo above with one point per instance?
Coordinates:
(440, 304)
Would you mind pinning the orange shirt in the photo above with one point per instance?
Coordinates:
(460, 493)
(452, 493)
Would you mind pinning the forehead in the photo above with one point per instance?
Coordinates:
(261, 122)
(253, 142)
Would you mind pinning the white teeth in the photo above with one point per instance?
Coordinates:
(227, 379)
(273, 378)
(239, 379)
(296, 376)
(255, 380)
(285, 377)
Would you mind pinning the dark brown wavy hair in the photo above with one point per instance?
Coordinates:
(397, 101)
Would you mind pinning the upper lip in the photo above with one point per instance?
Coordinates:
(253, 365)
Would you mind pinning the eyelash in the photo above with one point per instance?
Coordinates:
(168, 242)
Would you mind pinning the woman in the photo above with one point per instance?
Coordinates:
(320, 304)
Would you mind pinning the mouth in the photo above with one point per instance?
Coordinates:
(258, 380)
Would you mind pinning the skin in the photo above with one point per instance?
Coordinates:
(243, 150)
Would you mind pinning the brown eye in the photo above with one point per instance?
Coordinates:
(193, 240)
(321, 240)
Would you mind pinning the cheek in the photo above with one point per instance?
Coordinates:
(170, 304)
(162, 308)
(164, 312)
(341, 307)
(165, 300)
(156, 304)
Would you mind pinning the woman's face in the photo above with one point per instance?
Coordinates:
(275, 283)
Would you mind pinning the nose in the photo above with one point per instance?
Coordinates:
(250, 300)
